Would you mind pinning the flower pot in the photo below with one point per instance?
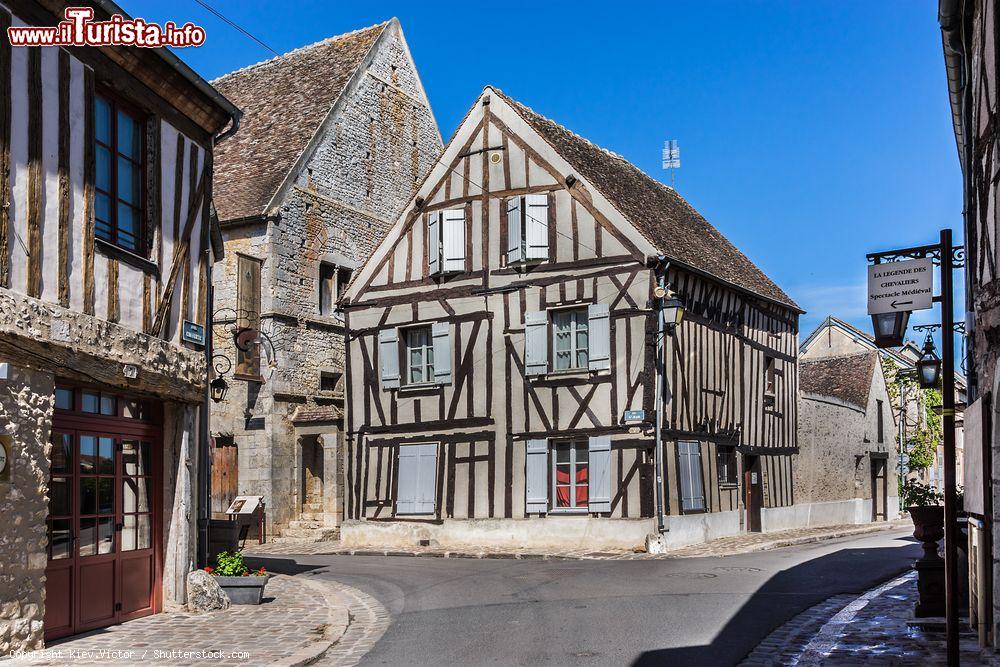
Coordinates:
(244, 590)
(928, 522)
(928, 527)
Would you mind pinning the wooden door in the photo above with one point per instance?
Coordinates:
(225, 476)
(104, 513)
(753, 496)
(879, 489)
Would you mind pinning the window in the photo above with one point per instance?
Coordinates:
(415, 484)
(881, 428)
(570, 475)
(528, 228)
(328, 380)
(446, 241)
(725, 458)
(570, 339)
(419, 356)
(99, 403)
(332, 281)
(118, 154)
(769, 376)
(689, 469)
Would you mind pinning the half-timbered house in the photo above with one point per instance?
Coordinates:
(106, 249)
(502, 357)
(335, 138)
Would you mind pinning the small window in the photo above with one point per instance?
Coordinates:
(333, 280)
(725, 457)
(419, 355)
(65, 399)
(570, 339)
(881, 427)
(118, 156)
(328, 380)
(689, 469)
(570, 475)
(769, 376)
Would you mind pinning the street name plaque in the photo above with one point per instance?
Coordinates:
(897, 286)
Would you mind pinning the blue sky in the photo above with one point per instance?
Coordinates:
(810, 132)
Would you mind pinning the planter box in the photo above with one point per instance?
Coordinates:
(244, 590)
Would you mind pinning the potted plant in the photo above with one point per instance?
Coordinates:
(923, 503)
(242, 585)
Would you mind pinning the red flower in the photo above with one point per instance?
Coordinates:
(246, 574)
(209, 569)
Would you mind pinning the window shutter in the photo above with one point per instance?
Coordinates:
(515, 231)
(599, 337)
(692, 492)
(434, 242)
(441, 335)
(426, 478)
(406, 483)
(388, 353)
(453, 233)
(536, 343)
(536, 476)
(536, 222)
(599, 474)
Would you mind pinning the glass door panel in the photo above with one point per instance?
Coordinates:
(137, 495)
(97, 495)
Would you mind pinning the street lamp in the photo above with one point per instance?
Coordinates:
(671, 307)
(929, 365)
(219, 388)
(890, 328)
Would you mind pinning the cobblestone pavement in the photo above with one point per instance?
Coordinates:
(369, 621)
(727, 546)
(870, 629)
(298, 620)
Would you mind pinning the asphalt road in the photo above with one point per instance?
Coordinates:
(697, 611)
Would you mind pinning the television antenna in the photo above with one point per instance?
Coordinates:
(672, 160)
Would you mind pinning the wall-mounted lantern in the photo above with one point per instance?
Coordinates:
(890, 328)
(219, 388)
(929, 365)
(671, 307)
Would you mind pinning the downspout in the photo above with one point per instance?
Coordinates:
(661, 377)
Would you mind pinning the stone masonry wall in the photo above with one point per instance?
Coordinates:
(364, 169)
(26, 403)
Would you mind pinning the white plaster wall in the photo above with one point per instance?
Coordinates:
(686, 529)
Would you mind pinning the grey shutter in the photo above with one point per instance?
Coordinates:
(406, 482)
(599, 474)
(388, 353)
(434, 243)
(515, 231)
(598, 337)
(426, 478)
(536, 476)
(536, 223)
(692, 491)
(441, 335)
(536, 343)
(453, 235)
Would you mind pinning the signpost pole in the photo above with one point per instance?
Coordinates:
(948, 414)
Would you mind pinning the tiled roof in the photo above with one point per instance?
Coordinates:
(661, 215)
(284, 101)
(848, 378)
(317, 413)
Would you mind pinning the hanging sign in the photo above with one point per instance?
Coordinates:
(5, 456)
(897, 286)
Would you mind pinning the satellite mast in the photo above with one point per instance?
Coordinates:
(672, 160)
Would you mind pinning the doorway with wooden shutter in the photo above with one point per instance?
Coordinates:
(104, 511)
(225, 475)
(753, 492)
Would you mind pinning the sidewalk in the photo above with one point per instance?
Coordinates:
(299, 620)
(870, 629)
(727, 546)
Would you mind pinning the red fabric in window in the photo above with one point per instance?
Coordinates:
(582, 488)
(562, 488)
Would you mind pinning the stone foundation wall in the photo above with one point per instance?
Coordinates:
(26, 403)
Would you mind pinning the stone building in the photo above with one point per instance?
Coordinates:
(502, 362)
(106, 252)
(846, 469)
(335, 137)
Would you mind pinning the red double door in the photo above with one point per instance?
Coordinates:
(103, 524)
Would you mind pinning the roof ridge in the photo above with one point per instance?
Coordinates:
(298, 50)
(837, 357)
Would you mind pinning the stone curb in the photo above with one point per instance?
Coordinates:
(340, 620)
(751, 548)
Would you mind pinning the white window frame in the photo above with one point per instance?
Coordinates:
(427, 365)
(580, 316)
(575, 447)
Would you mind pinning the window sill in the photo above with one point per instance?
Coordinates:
(570, 373)
(571, 511)
(423, 387)
(114, 252)
(729, 485)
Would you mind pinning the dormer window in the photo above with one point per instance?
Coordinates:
(118, 156)
(528, 228)
(446, 241)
